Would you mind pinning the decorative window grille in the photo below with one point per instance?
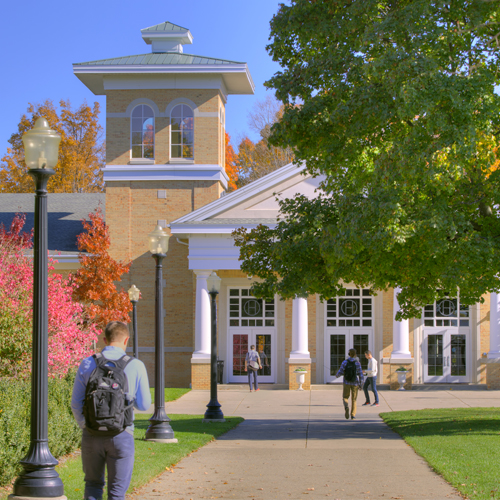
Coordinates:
(182, 132)
(355, 308)
(446, 312)
(246, 310)
(143, 132)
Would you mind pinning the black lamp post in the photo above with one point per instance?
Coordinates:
(213, 413)
(134, 294)
(159, 429)
(39, 477)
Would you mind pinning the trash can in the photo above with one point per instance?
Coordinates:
(220, 370)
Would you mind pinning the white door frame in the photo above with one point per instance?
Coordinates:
(252, 334)
(447, 332)
(349, 333)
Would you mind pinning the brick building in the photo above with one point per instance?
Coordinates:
(165, 165)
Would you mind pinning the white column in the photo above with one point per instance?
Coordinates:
(300, 330)
(202, 316)
(494, 351)
(400, 333)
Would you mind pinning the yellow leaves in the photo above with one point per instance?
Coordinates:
(81, 152)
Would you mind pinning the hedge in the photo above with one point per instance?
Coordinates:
(15, 403)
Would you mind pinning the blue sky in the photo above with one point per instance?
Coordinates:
(41, 40)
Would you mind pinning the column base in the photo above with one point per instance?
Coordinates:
(200, 374)
(293, 364)
(492, 366)
(390, 374)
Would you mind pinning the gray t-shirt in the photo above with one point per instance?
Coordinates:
(253, 356)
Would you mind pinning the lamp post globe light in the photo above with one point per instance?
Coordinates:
(214, 412)
(134, 294)
(159, 429)
(39, 478)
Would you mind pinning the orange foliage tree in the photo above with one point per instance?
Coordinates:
(98, 273)
(81, 151)
(232, 166)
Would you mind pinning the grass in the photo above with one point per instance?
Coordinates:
(170, 394)
(151, 459)
(460, 444)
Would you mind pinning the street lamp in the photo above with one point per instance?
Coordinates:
(39, 477)
(134, 295)
(213, 413)
(159, 429)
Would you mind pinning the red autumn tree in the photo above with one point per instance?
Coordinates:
(98, 273)
(232, 168)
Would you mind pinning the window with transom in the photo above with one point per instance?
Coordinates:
(354, 308)
(246, 310)
(446, 312)
(182, 132)
(142, 133)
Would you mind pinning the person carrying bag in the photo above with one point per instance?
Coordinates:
(252, 364)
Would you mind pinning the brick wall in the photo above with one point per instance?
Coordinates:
(132, 211)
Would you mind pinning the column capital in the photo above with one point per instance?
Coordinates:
(202, 273)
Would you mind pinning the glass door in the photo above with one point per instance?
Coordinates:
(446, 341)
(251, 322)
(349, 324)
(340, 343)
(263, 340)
(445, 357)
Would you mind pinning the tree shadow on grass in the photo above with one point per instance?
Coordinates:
(451, 422)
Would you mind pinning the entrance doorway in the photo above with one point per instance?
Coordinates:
(349, 324)
(251, 322)
(446, 346)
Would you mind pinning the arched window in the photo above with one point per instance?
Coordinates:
(143, 132)
(182, 132)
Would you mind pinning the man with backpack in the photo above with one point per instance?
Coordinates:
(353, 380)
(107, 387)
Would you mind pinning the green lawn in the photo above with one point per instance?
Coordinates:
(171, 394)
(151, 459)
(461, 444)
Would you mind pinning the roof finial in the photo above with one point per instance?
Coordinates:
(167, 37)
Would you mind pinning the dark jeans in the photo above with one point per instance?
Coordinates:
(255, 383)
(114, 453)
(373, 382)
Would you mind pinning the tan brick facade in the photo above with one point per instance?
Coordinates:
(208, 134)
(200, 376)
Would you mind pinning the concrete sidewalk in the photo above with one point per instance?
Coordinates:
(298, 445)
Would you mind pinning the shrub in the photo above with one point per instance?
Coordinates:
(64, 433)
(71, 335)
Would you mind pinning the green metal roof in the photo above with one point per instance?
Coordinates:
(166, 26)
(160, 58)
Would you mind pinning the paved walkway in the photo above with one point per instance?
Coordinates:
(298, 445)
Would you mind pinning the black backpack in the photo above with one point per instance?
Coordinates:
(350, 372)
(106, 409)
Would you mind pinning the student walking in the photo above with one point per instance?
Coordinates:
(353, 380)
(252, 364)
(371, 379)
(107, 387)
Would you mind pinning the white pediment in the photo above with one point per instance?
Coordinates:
(255, 203)
(270, 205)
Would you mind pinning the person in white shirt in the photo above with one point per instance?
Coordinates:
(371, 379)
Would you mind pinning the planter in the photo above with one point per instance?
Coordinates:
(301, 378)
(401, 380)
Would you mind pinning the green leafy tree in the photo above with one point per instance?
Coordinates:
(399, 112)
